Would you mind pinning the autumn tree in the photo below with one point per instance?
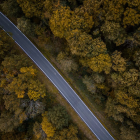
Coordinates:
(58, 117)
(31, 8)
(5, 44)
(83, 45)
(38, 131)
(131, 17)
(67, 63)
(11, 8)
(69, 133)
(47, 127)
(128, 133)
(100, 63)
(119, 63)
(13, 63)
(113, 32)
(26, 26)
(90, 84)
(64, 20)
(10, 121)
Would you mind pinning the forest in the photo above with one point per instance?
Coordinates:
(101, 44)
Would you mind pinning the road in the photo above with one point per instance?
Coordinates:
(68, 93)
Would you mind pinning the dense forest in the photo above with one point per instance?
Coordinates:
(102, 45)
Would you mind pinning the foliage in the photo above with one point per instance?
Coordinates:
(64, 20)
(58, 117)
(11, 8)
(113, 32)
(83, 45)
(91, 87)
(119, 63)
(5, 44)
(38, 132)
(100, 63)
(131, 17)
(47, 126)
(67, 63)
(31, 8)
(26, 26)
(13, 63)
(69, 133)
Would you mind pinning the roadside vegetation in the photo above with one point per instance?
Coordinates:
(95, 44)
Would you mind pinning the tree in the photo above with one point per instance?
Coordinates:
(38, 132)
(26, 26)
(11, 102)
(10, 121)
(69, 133)
(58, 117)
(32, 108)
(136, 58)
(47, 126)
(125, 99)
(131, 17)
(119, 63)
(11, 8)
(129, 133)
(113, 10)
(127, 78)
(64, 20)
(12, 64)
(25, 83)
(113, 32)
(36, 90)
(83, 45)
(91, 86)
(31, 8)
(5, 44)
(100, 63)
(67, 63)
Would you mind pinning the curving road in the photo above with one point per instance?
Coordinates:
(69, 94)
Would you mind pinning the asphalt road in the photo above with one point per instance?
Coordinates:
(68, 93)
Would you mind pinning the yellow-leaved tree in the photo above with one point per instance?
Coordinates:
(64, 20)
(47, 126)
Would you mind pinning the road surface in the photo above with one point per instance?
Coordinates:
(68, 93)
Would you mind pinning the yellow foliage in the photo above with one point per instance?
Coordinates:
(47, 126)
(131, 17)
(36, 90)
(100, 63)
(64, 20)
(119, 63)
(124, 99)
(29, 70)
(31, 7)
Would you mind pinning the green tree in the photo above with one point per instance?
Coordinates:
(5, 44)
(58, 117)
(11, 8)
(69, 133)
(26, 26)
